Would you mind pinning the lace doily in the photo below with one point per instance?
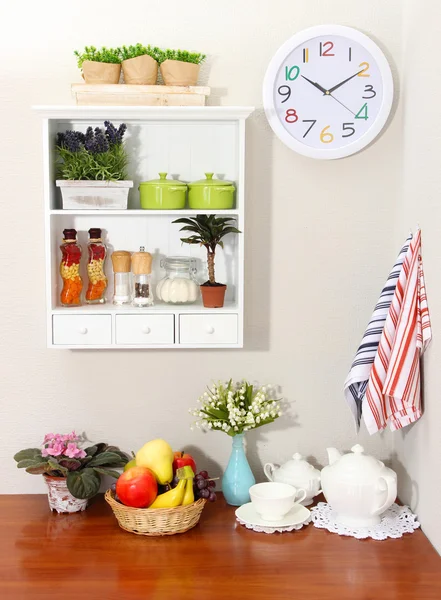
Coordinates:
(395, 521)
(262, 529)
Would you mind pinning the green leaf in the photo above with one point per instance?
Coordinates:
(71, 464)
(109, 472)
(91, 450)
(106, 458)
(54, 465)
(39, 469)
(83, 484)
(29, 453)
(27, 462)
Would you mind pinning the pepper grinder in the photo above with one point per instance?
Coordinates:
(142, 268)
(121, 277)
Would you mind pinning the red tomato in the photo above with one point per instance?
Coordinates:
(137, 487)
(182, 460)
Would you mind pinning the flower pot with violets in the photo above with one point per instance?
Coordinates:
(139, 64)
(72, 474)
(92, 168)
(208, 231)
(99, 66)
(235, 408)
(180, 67)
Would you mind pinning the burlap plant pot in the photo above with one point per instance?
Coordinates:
(141, 70)
(97, 72)
(177, 72)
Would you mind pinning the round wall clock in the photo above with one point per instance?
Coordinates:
(328, 91)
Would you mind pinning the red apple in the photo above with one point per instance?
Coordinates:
(182, 460)
(137, 487)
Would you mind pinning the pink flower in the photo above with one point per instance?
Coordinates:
(72, 451)
(48, 437)
(54, 448)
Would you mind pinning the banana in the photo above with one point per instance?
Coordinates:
(189, 494)
(171, 498)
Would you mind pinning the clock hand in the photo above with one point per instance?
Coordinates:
(342, 82)
(315, 84)
(342, 104)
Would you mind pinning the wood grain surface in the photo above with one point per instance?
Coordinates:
(87, 556)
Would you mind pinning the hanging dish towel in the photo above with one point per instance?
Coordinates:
(357, 380)
(393, 393)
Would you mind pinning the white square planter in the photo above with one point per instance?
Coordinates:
(94, 194)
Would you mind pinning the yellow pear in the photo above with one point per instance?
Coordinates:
(157, 455)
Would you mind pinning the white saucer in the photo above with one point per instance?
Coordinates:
(247, 515)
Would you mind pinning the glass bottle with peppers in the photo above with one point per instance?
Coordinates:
(70, 269)
(95, 268)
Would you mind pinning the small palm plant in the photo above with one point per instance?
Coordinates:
(208, 231)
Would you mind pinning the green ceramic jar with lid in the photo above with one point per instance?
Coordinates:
(211, 193)
(162, 193)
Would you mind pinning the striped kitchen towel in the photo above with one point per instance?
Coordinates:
(357, 379)
(393, 394)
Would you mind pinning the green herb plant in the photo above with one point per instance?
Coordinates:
(182, 55)
(208, 231)
(103, 55)
(127, 52)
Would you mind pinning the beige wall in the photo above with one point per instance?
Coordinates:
(418, 448)
(318, 250)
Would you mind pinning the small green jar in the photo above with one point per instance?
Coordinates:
(162, 193)
(211, 193)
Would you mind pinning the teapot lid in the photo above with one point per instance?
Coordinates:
(299, 467)
(360, 464)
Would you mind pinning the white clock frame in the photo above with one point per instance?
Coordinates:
(271, 75)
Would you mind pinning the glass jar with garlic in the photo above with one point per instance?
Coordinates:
(95, 268)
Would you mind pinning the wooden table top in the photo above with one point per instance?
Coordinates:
(87, 556)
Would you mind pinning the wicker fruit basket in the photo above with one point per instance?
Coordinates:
(158, 521)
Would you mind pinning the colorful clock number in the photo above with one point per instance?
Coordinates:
(363, 112)
(291, 116)
(326, 137)
(305, 55)
(363, 71)
(291, 73)
(284, 90)
(326, 52)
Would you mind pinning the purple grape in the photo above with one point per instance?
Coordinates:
(204, 493)
(212, 484)
(212, 497)
(113, 487)
(204, 474)
(199, 477)
(202, 484)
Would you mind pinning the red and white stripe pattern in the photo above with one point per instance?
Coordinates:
(393, 394)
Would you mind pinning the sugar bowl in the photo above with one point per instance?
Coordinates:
(297, 472)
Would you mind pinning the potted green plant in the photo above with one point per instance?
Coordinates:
(180, 67)
(208, 231)
(92, 168)
(139, 64)
(72, 474)
(99, 66)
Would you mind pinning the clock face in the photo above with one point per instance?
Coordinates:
(328, 92)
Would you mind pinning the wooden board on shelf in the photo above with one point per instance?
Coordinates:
(139, 95)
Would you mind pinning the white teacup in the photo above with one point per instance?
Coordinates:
(273, 500)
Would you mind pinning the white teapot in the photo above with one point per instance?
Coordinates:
(358, 487)
(298, 473)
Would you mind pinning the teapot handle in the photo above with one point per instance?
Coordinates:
(391, 484)
(269, 469)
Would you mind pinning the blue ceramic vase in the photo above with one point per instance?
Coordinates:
(238, 477)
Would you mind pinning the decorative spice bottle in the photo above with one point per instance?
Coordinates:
(121, 277)
(95, 268)
(70, 269)
(142, 268)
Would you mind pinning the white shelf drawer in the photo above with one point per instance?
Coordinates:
(145, 329)
(82, 330)
(208, 329)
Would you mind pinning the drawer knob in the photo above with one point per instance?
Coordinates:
(146, 329)
(210, 329)
(83, 330)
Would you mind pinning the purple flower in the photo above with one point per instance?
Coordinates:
(114, 135)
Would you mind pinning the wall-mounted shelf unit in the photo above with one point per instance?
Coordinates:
(185, 142)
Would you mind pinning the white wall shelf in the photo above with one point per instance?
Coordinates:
(186, 142)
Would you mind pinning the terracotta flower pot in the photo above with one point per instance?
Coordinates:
(177, 72)
(97, 72)
(141, 70)
(213, 295)
(60, 499)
